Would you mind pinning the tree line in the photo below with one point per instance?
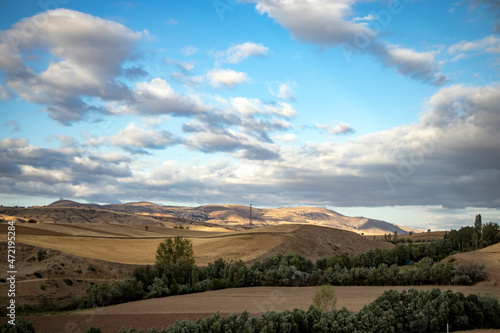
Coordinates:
(175, 272)
(411, 311)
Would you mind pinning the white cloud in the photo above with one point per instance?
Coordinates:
(226, 78)
(136, 140)
(290, 137)
(250, 106)
(158, 97)
(185, 66)
(285, 91)
(238, 53)
(327, 23)
(189, 50)
(87, 47)
(339, 129)
(489, 44)
(449, 158)
(369, 17)
(418, 65)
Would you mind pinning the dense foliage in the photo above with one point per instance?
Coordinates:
(405, 312)
(175, 273)
(21, 326)
(280, 270)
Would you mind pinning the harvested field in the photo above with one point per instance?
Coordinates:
(162, 312)
(115, 242)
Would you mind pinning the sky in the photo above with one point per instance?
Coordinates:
(388, 109)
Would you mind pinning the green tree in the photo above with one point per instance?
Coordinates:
(324, 298)
(478, 224)
(490, 230)
(171, 251)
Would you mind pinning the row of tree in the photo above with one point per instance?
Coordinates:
(410, 311)
(181, 276)
(473, 238)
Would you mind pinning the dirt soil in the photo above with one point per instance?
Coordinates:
(58, 277)
(162, 312)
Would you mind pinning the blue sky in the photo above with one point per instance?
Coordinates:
(388, 109)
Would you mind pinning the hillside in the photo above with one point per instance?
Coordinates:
(240, 217)
(489, 257)
(116, 242)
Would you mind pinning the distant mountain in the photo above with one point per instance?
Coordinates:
(241, 217)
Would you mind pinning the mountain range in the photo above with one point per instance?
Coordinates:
(238, 217)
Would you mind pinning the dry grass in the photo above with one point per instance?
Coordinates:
(489, 257)
(258, 300)
(131, 244)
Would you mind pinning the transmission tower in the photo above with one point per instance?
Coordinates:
(250, 214)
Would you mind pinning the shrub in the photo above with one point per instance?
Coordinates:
(38, 275)
(91, 268)
(324, 298)
(20, 327)
(68, 282)
(41, 254)
(93, 329)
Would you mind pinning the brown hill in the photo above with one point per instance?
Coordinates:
(130, 244)
(489, 257)
(240, 217)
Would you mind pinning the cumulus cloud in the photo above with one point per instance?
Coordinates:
(238, 53)
(158, 97)
(448, 158)
(33, 170)
(417, 65)
(227, 78)
(82, 46)
(138, 140)
(327, 23)
(285, 91)
(339, 129)
(290, 137)
(243, 145)
(249, 106)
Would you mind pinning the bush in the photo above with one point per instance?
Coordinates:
(20, 327)
(324, 298)
(91, 268)
(41, 254)
(93, 329)
(38, 275)
(68, 282)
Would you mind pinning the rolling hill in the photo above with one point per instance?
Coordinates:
(238, 217)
